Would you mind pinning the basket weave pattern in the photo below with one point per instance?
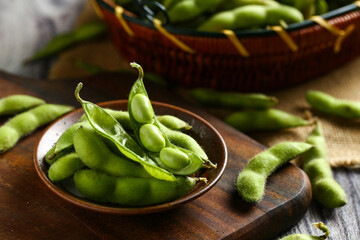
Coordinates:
(218, 65)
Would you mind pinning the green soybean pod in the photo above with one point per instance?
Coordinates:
(269, 119)
(184, 141)
(26, 122)
(284, 13)
(231, 4)
(65, 167)
(93, 151)
(173, 122)
(18, 103)
(233, 100)
(130, 191)
(318, 225)
(245, 17)
(107, 126)
(333, 106)
(324, 187)
(251, 181)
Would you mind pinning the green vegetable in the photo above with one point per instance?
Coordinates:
(251, 181)
(233, 100)
(142, 107)
(18, 103)
(107, 126)
(319, 225)
(93, 151)
(173, 122)
(26, 122)
(270, 119)
(324, 187)
(333, 106)
(130, 191)
(64, 41)
(65, 167)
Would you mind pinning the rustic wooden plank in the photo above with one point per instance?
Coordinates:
(219, 214)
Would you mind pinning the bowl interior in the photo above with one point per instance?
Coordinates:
(202, 131)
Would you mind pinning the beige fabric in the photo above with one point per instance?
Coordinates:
(342, 136)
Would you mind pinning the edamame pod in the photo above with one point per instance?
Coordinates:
(18, 103)
(251, 181)
(65, 167)
(330, 105)
(231, 4)
(107, 126)
(138, 88)
(189, 9)
(130, 191)
(269, 119)
(233, 100)
(288, 14)
(121, 116)
(26, 122)
(324, 187)
(96, 155)
(173, 122)
(319, 225)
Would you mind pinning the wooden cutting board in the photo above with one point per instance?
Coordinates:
(28, 210)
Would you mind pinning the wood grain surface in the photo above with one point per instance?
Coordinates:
(30, 211)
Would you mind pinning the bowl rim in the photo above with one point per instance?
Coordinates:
(128, 16)
(131, 210)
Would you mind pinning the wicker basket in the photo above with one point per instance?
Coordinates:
(276, 59)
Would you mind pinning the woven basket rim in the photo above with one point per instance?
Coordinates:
(128, 16)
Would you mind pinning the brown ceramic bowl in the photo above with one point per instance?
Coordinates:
(202, 131)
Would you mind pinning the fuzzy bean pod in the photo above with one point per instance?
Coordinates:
(26, 122)
(319, 225)
(251, 181)
(231, 4)
(270, 119)
(324, 187)
(93, 151)
(65, 167)
(233, 100)
(173, 122)
(18, 103)
(333, 106)
(130, 191)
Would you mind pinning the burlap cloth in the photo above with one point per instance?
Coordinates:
(342, 136)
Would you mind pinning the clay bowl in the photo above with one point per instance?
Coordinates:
(202, 131)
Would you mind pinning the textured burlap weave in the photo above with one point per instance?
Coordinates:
(342, 136)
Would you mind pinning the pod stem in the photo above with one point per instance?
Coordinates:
(209, 164)
(323, 228)
(139, 68)
(202, 179)
(77, 92)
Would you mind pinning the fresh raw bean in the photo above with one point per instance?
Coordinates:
(65, 167)
(251, 181)
(270, 119)
(141, 109)
(233, 100)
(288, 14)
(324, 187)
(184, 141)
(130, 191)
(330, 105)
(231, 4)
(26, 122)
(107, 126)
(250, 17)
(321, 7)
(50, 158)
(189, 9)
(319, 225)
(173, 122)
(174, 158)
(138, 88)
(307, 7)
(18, 103)
(94, 153)
(151, 138)
(65, 141)
(67, 40)
(245, 17)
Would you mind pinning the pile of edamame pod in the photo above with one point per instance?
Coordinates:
(131, 158)
(257, 115)
(216, 15)
(30, 113)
